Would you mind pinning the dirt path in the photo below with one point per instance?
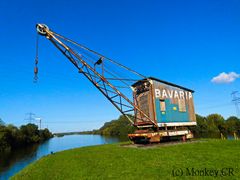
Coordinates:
(162, 144)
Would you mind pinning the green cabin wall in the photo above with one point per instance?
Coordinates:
(170, 115)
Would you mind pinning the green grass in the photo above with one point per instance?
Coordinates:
(117, 162)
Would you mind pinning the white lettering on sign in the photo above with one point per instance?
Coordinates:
(181, 94)
(170, 94)
(176, 95)
(165, 94)
(157, 93)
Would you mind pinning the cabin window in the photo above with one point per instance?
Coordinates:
(182, 105)
(162, 105)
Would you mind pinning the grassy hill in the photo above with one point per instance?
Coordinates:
(117, 162)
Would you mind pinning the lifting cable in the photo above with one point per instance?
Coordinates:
(127, 85)
(36, 61)
(84, 47)
(106, 68)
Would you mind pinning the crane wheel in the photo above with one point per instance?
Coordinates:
(41, 28)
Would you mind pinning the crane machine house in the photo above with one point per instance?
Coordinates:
(169, 105)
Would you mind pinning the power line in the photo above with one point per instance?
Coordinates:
(236, 101)
(40, 122)
(215, 106)
(71, 122)
(30, 117)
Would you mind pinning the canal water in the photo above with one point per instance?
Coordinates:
(11, 163)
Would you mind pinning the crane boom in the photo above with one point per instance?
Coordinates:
(87, 62)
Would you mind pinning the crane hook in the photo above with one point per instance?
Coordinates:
(36, 63)
(35, 75)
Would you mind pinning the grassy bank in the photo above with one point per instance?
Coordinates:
(114, 161)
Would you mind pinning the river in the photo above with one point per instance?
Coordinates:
(11, 163)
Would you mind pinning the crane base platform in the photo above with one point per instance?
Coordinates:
(143, 136)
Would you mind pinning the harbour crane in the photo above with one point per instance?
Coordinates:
(115, 81)
(103, 78)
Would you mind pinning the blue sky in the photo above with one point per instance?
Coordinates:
(184, 42)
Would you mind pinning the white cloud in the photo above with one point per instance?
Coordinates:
(225, 77)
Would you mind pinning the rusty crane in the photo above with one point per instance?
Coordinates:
(148, 107)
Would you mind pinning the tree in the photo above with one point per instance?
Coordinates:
(118, 127)
(45, 134)
(215, 123)
(232, 124)
(12, 137)
(201, 123)
(1, 122)
(30, 132)
(4, 139)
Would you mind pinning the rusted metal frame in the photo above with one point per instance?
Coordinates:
(120, 98)
(107, 90)
(102, 68)
(90, 74)
(135, 111)
(87, 76)
(86, 48)
(142, 119)
(153, 101)
(136, 100)
(134, 80)
(95, 69)
(116, 77)
(109, 84)
(105, 86)
(128, 110)
(99, 81)
(114, 96)
(123, 87)
(50, 36)
(105, 69)
(67, 55)
(129, 118)
(82, 67)
(70, 55)
(121, 104)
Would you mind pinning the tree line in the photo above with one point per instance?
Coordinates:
(209, 126)
(215, 124)
(117, 127)
(12, 137)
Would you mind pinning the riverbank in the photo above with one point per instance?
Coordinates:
(116, 161)
(14, 161)
(12, 137)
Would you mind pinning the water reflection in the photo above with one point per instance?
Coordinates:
(11, 163)
(214, 135)
(9, 158)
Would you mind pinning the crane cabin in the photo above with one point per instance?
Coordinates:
(170, 106)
